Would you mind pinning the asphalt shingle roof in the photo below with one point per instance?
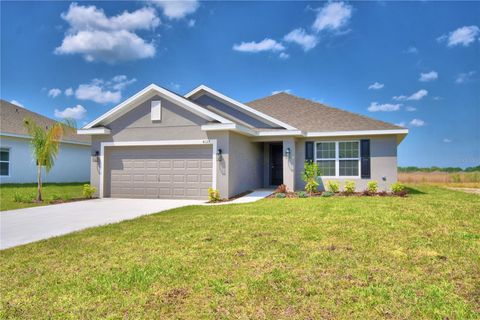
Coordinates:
(307, 115)
(11, 121)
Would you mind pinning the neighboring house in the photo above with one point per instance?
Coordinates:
(16, 162)
(158, 144)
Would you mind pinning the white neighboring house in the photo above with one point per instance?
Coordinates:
(16, 161)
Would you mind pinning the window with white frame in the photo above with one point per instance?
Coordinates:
(4, 161)
(338, 158)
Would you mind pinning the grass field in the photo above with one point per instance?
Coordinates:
(331, 258)
(457, 179)
(28, 191)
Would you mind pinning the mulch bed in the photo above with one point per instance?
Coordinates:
(343, 194)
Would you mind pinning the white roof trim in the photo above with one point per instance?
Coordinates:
(356, 133)
(94, 131)
(240, 105)
(26, 136)
(229, 126)
(280, 133)
(110, 115)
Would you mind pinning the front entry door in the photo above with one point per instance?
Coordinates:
(276, 164)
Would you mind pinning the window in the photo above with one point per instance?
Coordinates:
(4, 162)
(338, 159)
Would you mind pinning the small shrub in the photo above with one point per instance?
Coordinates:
(18, 197)
(372, 187)
(280, 195)
(281, 188)
(349, 187)
(456, 178)
(213, 195)
(88, 191)
(333, 186)
(310, 175)
(397, 187)
(302, 194)
(328, 194)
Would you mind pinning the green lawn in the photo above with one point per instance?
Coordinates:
(330, 258)
(28, 191)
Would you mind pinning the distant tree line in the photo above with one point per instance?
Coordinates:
(438, 169)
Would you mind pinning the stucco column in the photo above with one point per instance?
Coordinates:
(289, 164)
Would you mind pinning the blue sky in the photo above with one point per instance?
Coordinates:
(410, 63)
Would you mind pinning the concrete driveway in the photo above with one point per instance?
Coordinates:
(32, 224)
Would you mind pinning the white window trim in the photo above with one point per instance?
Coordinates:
(9, 161)
(103, 145)
(337, 159)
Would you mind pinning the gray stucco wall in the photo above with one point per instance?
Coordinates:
(383, 161)
(246, 164)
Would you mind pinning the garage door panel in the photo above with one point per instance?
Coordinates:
(159, 172)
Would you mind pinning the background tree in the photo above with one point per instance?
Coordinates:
(45, 144)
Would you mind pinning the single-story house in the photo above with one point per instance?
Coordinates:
(16, 162)
(158, 144)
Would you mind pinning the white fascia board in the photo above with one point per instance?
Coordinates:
(25, 136)
(280, 133)
(240, 105)
(94, 131)
(208, 115)
(356, 133)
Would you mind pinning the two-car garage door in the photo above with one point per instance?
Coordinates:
(165, 172)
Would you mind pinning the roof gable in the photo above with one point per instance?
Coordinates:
(148, 93)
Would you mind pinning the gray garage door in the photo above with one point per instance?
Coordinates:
(181, 172)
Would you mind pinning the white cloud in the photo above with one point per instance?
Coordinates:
(68, 92)
(428, 76)
(376, 86)
(283, 55)
(111, 39)
(464, 77)
(264, 45)
(177, 9)
(77, 113)
(101, 91)
(416, 96)
(417, 123)
(410, 108)
(54, 92)
(332, 16)
(437, 98)
(300, 37)
(15, 102)
(401, 124)
(446, 140)
(191, 23)
(388, 107)
(411, 50)
(279, 91)
(462, 36)
(174, 86)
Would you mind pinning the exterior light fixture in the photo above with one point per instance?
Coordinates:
(96, 156)
(288, 152)
(219, 155)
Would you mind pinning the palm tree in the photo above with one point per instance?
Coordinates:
(45, 144)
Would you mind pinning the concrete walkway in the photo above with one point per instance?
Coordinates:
(23, 226)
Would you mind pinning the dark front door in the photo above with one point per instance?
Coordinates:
(276, 164)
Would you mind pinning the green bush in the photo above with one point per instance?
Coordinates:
(18, 197)
(213, 195)
(302, 194)
(310, 175)
(397, 187)
(88, 191)
(280, 195)
(333, 186)
(372, 186)
(456, 177)
(328, 194)
(349, 187)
